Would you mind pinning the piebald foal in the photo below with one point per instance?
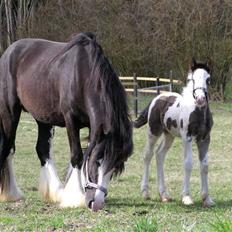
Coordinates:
(186, 116)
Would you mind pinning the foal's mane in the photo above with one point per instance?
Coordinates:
(118, 140)
(201, 66)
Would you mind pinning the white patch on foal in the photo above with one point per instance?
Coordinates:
(9, 191)
(49, 184)
(187, 200)
(73, 194)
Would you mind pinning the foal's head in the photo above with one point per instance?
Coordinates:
(199, 79)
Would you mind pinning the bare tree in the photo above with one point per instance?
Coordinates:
(9, 22)
(1, 27)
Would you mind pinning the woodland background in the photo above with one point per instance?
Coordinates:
(149, 37)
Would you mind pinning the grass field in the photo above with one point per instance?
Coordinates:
(125, 209)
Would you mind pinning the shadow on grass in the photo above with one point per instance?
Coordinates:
(173, 205)
(135, 202)
(125, 202)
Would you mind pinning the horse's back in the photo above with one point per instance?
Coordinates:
(23, 70)
(24, 54)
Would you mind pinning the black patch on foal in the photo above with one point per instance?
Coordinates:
(181, 124)
(171, 123)
(200, 123)
(157, 114)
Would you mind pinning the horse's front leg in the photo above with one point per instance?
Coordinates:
(188, 165)
(203, 157)
(73, 192)
(49, 184)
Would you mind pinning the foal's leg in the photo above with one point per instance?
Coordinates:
(73, 193)
(203, 157)
(49, 184)
(148, 154)
(160, 156)
(9, 191)
(188, 165)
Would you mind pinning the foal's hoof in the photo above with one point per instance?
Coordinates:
(165, 197)
(208, 202)
(145, 195)
(187, 200)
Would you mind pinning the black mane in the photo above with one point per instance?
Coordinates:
(118, 143)
(200, 65)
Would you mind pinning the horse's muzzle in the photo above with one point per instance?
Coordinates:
(201, 101)
(95, 205)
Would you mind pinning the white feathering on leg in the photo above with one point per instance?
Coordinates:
(50, 185)
(9, 191)
(72, 194)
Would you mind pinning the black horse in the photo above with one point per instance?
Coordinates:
(70, 85)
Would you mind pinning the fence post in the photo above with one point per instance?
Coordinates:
(135, 95)
(171, 81)
(157, 85)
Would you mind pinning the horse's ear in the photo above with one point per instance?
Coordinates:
(209, 64)
(192, 64)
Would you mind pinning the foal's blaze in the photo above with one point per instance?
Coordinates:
(186, 116)
(71, 85)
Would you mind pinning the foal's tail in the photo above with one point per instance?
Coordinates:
(142, 119)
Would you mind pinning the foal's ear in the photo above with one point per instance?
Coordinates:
(209, 64)
(192, 64)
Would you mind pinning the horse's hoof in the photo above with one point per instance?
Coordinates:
(208, 202)
(146, 195)
(187, 200)
(165, 198)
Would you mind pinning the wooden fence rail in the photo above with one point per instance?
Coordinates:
(131, 84)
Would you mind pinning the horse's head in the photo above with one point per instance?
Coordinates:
(105, 159)
(199, 78)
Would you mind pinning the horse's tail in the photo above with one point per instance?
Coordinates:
(142, 119)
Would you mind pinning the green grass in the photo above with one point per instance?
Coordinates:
(125, 209)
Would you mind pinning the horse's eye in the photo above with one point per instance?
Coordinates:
(208, 81)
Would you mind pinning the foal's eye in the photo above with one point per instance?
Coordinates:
(208, 81)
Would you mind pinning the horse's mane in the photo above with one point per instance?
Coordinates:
(118, 141)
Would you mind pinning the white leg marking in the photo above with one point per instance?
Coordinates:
(188, 164)
(9, 191)
(73, 193)
(49, 184)
(207, 201)
(160, 156)
(148, 154)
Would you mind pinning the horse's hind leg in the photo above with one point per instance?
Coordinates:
(203, 157)
(9, 191)
(49, 184)
(160, 156)
(148, 154)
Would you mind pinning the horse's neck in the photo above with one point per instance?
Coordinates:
(187, 95)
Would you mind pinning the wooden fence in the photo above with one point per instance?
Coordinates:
(131, 84)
